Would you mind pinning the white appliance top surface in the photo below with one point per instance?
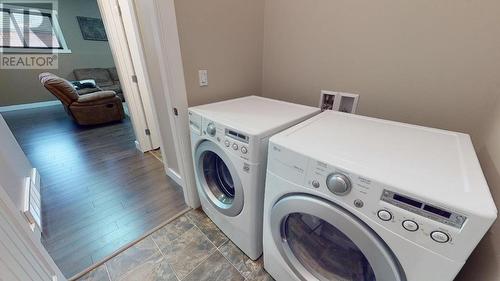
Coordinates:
(254, 115)
(437, 165)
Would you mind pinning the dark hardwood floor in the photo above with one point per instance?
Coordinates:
(99, 192)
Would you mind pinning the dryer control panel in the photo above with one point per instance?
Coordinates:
(421, 208)
(428, 224)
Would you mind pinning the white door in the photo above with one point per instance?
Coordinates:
(129, 20)
(23, 256)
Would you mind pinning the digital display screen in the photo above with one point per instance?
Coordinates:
(437, 211)
(237, 135)
(407, 200)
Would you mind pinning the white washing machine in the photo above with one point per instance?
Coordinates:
(355, 198)
(229, 143)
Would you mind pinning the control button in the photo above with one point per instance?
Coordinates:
(358, 203)
(211, 130)
(338, 184)
(235, 146)
(227, 143)
(410, 225)
(244, 150)
(440, 236)
(384, 215)
(315, 184)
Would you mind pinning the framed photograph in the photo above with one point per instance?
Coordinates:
(92, 29)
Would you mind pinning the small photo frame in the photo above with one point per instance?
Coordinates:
(337, 101)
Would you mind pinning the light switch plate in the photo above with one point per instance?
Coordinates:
(203, 77)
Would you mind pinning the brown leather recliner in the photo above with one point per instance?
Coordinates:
(91, 109)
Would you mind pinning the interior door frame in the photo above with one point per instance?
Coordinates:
(167, 47)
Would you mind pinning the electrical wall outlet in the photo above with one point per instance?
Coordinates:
(203, 77)
(338, 101)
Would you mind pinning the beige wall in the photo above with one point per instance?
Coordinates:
(224, 37)
(22, 86)
(434, 63)
(484, 263)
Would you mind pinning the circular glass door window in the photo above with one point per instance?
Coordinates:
(218, 177)
(323, 250)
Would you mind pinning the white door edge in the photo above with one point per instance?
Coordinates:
(110, 14)
(135, 46)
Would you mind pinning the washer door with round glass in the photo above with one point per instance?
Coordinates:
(218, 179)
(320, 240)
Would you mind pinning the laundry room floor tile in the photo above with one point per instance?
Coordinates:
(187, 251)
(200, 219)
(172, 230)
(190, 247)
(215, 267)
(153, 269)
(131, 258)
(238, 259)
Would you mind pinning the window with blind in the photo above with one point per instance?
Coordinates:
(29, 29)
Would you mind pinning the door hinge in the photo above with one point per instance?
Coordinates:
(134, 78)
(148, 132)
(176, 112)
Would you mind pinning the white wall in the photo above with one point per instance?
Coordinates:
(14, 166)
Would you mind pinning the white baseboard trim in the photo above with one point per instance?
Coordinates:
(28, 105)
(175, 176)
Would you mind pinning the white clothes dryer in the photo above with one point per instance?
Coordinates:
(349, 197)
(229, 143)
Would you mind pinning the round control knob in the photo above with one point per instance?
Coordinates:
(384, 215)
(410, 225)
(338, 184)
(244, 150)
(235, 146)
(440, 236)
(211, 130)
(227, 143)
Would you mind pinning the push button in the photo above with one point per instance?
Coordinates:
(440, 237)
(410, 225)
(384, 215)
(227, 143)
(315, 184)
(235, 146)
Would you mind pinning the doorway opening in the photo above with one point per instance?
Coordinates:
(101, 187)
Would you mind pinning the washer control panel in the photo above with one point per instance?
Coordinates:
(233, 141)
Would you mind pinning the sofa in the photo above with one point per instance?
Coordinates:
(106, 79)
(91, 109)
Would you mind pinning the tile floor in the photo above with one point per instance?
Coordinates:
(189, 248)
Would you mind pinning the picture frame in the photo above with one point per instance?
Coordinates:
(92, 29)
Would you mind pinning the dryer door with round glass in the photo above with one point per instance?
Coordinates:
(218, 179)
(320, 240)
